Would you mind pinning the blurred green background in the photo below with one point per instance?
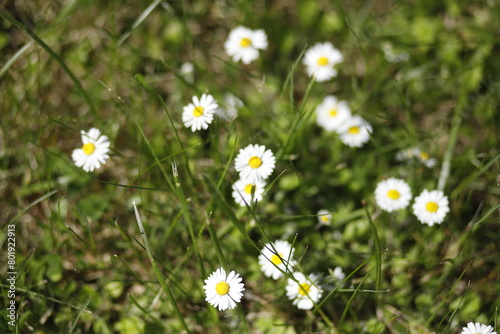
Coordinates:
(116, 65)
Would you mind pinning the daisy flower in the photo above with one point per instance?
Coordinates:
(270, 260)
(477, 328)
(320, 60)
(223, 291)
(392, 194)
(338, 275)
(431, 207)
(331, 113)
(355, 131)
(324, 217)
(333, 280)
(231, 106)
(412, 153)
(187, 72)
(199, 114)
(254, 162)
(405, 154)
(244, 44)
(242, 191)
(392, 56)
(304, 293)
(94, 151)
(425, 159)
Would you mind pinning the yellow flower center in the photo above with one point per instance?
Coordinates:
(248, 188)
(198, 111)
(353, 130)
(333, 112)
(424, 156)
(431, 206)
(255, 162)
(222, 288)
(245, 42)
(322, 61)
(276, 259)
(88, 148)
(304, 289)
(393, 194)
(324, 219)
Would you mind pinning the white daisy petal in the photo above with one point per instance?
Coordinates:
(413, 154)
(338, 274)
(392, 56)
(392, 194)
(324, 217)
(331, 113)
(243, 188)
(278, 255)
(199, 114)
(431, 207)
(304, 293)
(355, 131)
(94, 151)
(244, 44)
(320, 60)
(477, 328)
(254, 162)
(223, 292)
(231, 105)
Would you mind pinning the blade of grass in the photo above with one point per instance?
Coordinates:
(76, 234)
(83, 218)
(243, 318)
(133, 272)
(386, 323)
(144, 137)
(139, 20)
(170, 274)
(82, 309)
(146, 312)
(187, 216)
(130, 187)
(378, 254)
(67, 10)
(157, 271)
(169, 157)
(445, 300)
(338, 289)
(218, 248)
(452, 140)
(289, 77)
(453, 313)
(349, 302)
(13, 59)
(54, 55)
(173, 224)
(221, 201)
(302, 113)
(211, 230)
(126, 237)
(469, 179)
(486, 215)
(183, 151)
(131, 240)
(26, 291)
(32, 204)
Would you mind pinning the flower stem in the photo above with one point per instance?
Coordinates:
(156, 269)
(452, 140)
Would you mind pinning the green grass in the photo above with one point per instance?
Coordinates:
(85, 264)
